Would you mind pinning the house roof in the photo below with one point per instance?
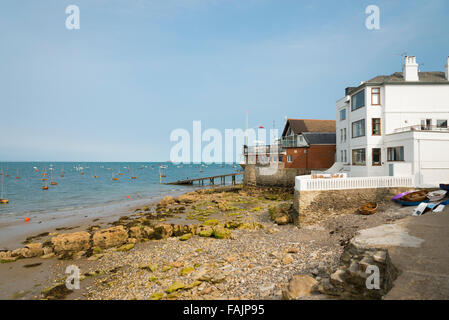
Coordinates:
(309, 125)
(398, 78)
(320, 137)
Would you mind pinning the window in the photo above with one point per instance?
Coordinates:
(395, 154)
(376, 127)
(289, 158)
(358, 128)
(358, 100)
(375, 96)
(426, 124)
(341, 156)
(358, 157)
(441, 123)
(346, 158)
(342, 114)
(280, 158)
(377, 159)
(343, 135)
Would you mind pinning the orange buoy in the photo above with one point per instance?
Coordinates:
(27, 219)
(133, 177)
(95, 177)
(45, 188)
(115, 179)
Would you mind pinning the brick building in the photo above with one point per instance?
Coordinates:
(308, 144)
(305, 145)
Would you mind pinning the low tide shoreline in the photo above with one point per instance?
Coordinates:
(253, 258)
(14, 230)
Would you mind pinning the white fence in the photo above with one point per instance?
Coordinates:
(306, 183)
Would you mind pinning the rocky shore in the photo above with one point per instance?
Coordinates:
(223, 243)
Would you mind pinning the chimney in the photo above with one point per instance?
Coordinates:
(410, 69)
(446, 69)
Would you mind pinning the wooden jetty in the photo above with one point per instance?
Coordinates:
(211, 179)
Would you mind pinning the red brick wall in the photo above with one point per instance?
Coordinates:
(318, 157)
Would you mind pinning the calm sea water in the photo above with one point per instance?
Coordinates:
(75, 190)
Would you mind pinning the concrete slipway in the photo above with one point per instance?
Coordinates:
(419, 248)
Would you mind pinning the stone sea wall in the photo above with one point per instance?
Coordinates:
(311, 206)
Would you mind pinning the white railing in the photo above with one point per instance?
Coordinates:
(306, 183)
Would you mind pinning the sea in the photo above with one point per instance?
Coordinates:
(77, 188)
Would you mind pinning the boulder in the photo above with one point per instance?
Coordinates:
(137, 232)
(167, 200)
(300, 285)
(32, 250)
(221, 233)
(281, 214)
(186, 198)
(111, 237)
(163, 231)
(179, 230)
(71, 242)
(5, 254)
(148, 232)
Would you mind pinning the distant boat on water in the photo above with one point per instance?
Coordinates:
(3, 199)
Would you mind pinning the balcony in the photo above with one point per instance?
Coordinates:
(263, 150)
(422, 127)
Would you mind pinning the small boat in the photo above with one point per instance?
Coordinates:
(368, 209)
(120, 173)
(3, 200)
(417, 196)
(113, 176)
(400, 195)
(17, 174)
(414, 198)
(436, 195)
(53, 183)
(444, 186)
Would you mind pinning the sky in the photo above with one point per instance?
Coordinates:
(136, 70)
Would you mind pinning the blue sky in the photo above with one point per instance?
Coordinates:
(136, 70)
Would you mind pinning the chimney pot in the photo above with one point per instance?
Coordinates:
(410, 69)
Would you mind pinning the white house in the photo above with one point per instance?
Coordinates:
(396, 125)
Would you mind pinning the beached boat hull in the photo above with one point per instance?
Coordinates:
(418, 196)
(436, 195)
(400, 195)
(368, 209)
(410, 203)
